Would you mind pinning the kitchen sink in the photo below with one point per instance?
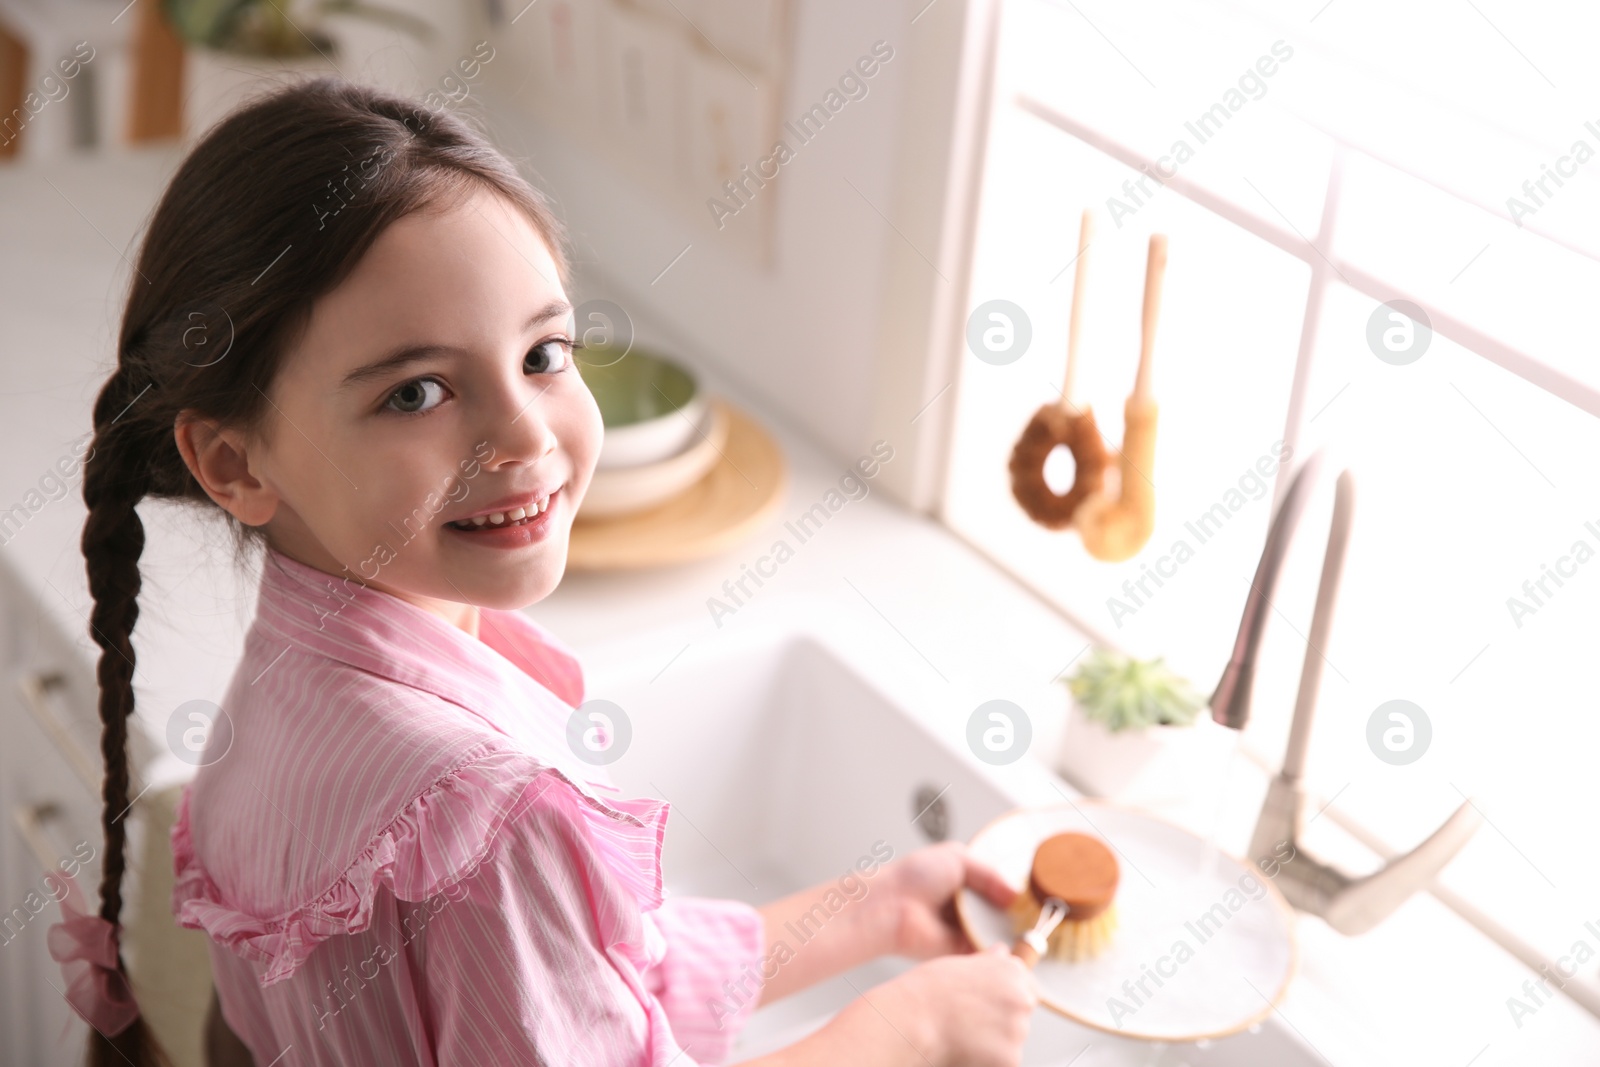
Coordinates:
(785, 760)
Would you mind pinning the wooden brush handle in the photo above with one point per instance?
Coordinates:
(1079, 279)
(1155, 270)
(1024, 952)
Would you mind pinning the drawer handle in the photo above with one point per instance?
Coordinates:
(30, 820)
(36, 688)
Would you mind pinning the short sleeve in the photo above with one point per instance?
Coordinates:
(540, 956)
(709, 979)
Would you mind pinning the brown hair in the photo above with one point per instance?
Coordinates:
(271, 210)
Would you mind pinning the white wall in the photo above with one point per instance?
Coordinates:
(831, 326)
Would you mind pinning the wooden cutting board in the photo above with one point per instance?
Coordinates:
(722, 510)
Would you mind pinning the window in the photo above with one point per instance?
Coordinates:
(1330, 162)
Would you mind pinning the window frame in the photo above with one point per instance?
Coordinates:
(1317, 251)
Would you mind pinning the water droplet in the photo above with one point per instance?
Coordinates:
(1203, 1044)
(1255, 1028)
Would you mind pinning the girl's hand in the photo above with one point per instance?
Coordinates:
(971, 1010)
(918, 897)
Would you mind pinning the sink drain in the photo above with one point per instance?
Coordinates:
(930, 811)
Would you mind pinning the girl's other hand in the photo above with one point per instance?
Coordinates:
(919, 898)
(972, 1010)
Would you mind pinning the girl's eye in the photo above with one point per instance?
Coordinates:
(548, 357)
(423, 394)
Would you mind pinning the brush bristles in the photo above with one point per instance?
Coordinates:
(1071, 941)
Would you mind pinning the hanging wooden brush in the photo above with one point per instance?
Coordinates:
(1116, 528)
(1067, 911)
(1061, 423)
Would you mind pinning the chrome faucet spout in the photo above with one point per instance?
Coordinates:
(1230, 703)
(1351, 905)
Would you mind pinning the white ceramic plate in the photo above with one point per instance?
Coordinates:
(626, 490)
(1204, 945)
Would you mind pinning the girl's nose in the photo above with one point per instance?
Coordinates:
(518, 425)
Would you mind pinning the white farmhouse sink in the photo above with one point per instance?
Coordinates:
(785, 759)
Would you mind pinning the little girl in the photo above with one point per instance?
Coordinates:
(348, 329)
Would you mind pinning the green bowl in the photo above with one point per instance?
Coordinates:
(650, 405)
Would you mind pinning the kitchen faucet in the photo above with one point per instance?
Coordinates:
(1351, 905)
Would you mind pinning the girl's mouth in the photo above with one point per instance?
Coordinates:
(516, 526)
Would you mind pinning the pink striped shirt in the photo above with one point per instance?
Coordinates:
(399, 860)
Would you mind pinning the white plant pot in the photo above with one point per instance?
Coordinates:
(1149, 765)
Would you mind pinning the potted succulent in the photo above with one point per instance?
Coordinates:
(1124, 714)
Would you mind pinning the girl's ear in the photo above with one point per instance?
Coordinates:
(219, 459)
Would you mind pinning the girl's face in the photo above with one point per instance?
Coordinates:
(435, 386)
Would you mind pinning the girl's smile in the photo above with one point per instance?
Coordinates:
(511, 523)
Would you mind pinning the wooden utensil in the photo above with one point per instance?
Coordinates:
(1062, 423)
(1115, 529)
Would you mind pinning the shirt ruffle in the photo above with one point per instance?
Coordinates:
(437, 840)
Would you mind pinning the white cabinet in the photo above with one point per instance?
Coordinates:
(641, 67)
(553, 55)
(679, 97)
(49, 782)
(732, 118)
(749, 31)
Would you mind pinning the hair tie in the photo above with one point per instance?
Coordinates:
(86, 947)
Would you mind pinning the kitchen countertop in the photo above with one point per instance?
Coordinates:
(948, 617)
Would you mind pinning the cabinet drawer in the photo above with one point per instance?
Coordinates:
(40, 1027)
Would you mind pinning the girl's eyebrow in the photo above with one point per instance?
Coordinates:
(409, 354)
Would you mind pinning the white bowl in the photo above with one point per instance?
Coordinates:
(652, 440)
